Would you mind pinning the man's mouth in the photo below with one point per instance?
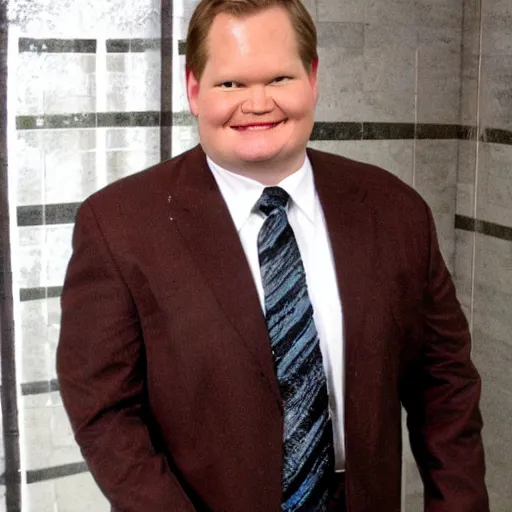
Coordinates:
(256, 126)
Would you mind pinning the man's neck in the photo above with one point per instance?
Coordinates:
(268, 174)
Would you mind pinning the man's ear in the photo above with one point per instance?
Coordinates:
(192, 91)
(313, 77)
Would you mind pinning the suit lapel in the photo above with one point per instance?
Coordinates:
(204, 222)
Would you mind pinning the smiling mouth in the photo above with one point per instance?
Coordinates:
(257, 127)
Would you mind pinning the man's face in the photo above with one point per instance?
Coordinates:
(255, 100)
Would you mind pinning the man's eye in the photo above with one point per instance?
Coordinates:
(229, 85)
(280, 79)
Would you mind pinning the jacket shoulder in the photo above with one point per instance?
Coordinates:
(379, 186)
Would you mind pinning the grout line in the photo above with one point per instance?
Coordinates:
(477, 165)
(16, 481)
(416, 97)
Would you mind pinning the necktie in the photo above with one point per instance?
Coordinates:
(308, 446)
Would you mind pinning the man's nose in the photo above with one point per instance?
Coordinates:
(258, 101)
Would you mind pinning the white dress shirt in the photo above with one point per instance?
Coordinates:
(308, 223)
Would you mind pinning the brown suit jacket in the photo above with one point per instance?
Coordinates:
(164, 360)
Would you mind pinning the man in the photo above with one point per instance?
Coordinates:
(241, 324)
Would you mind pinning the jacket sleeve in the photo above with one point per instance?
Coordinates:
(100, 367)
(442, 396)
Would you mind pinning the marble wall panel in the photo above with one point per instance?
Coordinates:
(494, 188)
(390, 72)
(184, 138)
(42, 255)
(129, 150)
(39, 333)
(40, 496)
(496, 92)
(48, 438)
(469, 96)
(438, 13)
(341, 47)
(436, 181)
(463, 268)
(438, 75)
(54, 166)
(121, 163)
(179, 86)
(492, 350)
(496, 27)
(55, 83)
(79, 493)
(391, 12)
(133, 82)
(346, 11)
(87, 18)
(396, 156)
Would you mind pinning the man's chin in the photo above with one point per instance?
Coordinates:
(259, 157)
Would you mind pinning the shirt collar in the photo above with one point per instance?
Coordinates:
(241, 193)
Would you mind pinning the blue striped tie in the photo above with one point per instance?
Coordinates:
(308, 445)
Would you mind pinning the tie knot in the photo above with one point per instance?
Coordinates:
(271, 199)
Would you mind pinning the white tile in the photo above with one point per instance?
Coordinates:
(64, 19)
(396, 156)
(438, 13)
(184, 138)
(311, 6)
(55, 83)
(436, 173)
(390, 59)
(494, 195)
(339, 73)
(443, 108)
(79, 493)
(496, 93)
(121, 163)
(40, 497)
(391, 12)
(40, 326)
(346, 37)
(54, 166)
(48, 437)
(134, 83)
(346, 11)
(43, 255)
(179, 88)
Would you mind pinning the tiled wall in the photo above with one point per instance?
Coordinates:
(483, 264)
(88, 106)
(399, 84)
(6, 303)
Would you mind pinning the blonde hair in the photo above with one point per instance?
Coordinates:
(196, 54)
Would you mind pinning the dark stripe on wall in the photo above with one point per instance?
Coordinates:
(39, 388)
(91, 120)
(321, 131)
(166, 88)
(9, 403)
(132, 45)
(483, 227)
(497, 136)
(50, 292)
(40, 215)
(45, 474)
(56, 45)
